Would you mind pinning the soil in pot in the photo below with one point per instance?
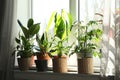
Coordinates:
(41, 65)
(60, 64)
(24, 63)
(43, 56)
(85, 66)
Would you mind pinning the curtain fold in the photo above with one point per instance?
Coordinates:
(108, 42)
(2, 4)
(93, 9)
(117, 39)
(7, 23)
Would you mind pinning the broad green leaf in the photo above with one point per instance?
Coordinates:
(25, 31)
(24, 40)
(70, 20)
(60, 31)
(30, 23)
(34, 29)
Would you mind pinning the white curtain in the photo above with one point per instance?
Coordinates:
(117, 39)
(7, 23)
(103, 10)
(89, 8)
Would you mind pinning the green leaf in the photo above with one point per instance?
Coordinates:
(25, 31)
(30, 23)
(61, 30)
(20, 24)
(34, 29)
(50, 21)
(42, 38)
(17, 40)
(70, 20)
(24, 40)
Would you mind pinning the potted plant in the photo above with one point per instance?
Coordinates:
(62, 26)
(24, 48)
(42, 52)
(89, 36)
(58, 53)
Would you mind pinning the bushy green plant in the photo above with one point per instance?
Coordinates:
(24, 41)
(59, 47)
(89, 36)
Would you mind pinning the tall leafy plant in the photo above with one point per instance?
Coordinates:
(62, 26)
(24, 41)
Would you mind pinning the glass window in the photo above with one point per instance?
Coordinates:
(42, 10)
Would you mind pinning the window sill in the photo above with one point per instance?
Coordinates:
(49, 75)
(71, 69)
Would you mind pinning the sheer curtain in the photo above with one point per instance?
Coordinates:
(7, 20)
(112, 28)
(104, 10)
(117, 38)
(108, 43)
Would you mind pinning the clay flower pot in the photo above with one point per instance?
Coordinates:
(60, 64)
(85, 66)
(24, 63)
(43, 56)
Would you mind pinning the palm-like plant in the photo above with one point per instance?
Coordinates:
(43, 43)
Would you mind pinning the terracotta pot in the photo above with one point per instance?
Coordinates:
(43, 56)
(85, 65)
(41, 65)
(32, 60)
(60, 64)
(24, 63)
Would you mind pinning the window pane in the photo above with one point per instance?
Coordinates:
(42, 9)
